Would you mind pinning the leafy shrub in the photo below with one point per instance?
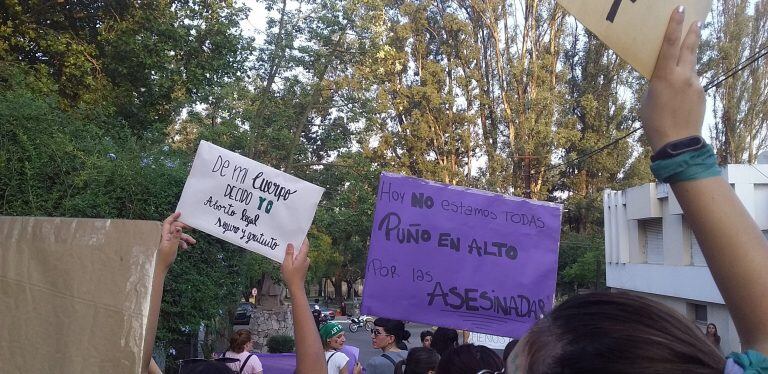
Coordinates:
(280, 344)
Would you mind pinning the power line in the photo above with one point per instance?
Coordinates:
(714, 82)
(598, 150)
(736, 69)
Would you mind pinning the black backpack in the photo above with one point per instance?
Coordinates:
(244, 362)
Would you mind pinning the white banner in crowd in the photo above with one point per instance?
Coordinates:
(247, 203)
(490, 341)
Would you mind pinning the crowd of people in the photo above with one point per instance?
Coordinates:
(592, 333)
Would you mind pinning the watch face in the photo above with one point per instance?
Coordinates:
(685, 144)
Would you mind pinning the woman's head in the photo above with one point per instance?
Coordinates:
(332, 335)
(444, 339)
(240, 341)
(614, 333)
(712, 329)
(420, 360)
(426, 338)
(386, 333)
(469, 358)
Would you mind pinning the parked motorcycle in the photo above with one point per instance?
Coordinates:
(362, 321)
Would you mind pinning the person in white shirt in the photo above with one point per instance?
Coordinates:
(333, 338)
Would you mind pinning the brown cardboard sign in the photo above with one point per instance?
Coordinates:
(634, 29)
(74, 294)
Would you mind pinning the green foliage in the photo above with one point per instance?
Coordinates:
(64, 163)
(86, 90)
(341, 233)
(102, 105)
(580, 262)
(280, 344)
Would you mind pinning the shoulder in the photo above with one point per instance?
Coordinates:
(339, 360)
(254, 364)
(376, 362)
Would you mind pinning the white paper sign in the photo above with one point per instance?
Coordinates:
(247, 203)
(634, 29)
(490, 341)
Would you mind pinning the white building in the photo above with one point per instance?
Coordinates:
(650, 249)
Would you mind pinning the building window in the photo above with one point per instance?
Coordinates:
(697, 258)
(700, 313)
(654, 240)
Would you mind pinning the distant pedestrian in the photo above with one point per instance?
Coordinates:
(333, 337)
(712, 335)
(317, 315)
(470, 358)
(386, 335)
(240, 346)
(444, 339)
(420, 360)
(426, 338)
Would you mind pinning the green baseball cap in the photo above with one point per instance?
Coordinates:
(330, 330)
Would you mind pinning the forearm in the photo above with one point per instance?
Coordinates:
(309, 352)
(156, 296)
(735, 250)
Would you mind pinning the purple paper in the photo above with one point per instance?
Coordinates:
(278, 363)
(353, 353)
(461, 258)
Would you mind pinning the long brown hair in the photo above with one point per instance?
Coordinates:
(617, 333)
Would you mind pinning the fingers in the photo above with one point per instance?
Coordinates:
(688, 50)
(667, 60)
(188, 239)
(288, 261)
(302, 256)
(169, 221)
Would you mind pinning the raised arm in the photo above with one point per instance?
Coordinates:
(310, 358)
(171, 238)
(735, 249)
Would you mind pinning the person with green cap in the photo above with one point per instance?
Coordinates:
(333, 338)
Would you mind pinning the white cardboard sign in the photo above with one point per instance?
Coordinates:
(247, 203)
(490, 341)
(634, 29)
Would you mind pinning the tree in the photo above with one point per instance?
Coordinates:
(741, 117)
(345, 219)
(593, 115)
(580, 263)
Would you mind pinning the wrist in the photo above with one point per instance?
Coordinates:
(296, 289)
(687, 166)
(658, 142)
(677, 147)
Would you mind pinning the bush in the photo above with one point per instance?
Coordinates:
(280, 344)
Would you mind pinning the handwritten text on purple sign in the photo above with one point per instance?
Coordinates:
(460, 258)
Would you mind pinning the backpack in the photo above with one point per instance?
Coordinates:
(242, 367)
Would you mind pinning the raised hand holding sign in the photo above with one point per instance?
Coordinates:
(247, 203)
(634, 29)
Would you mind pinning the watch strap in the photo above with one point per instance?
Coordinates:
(678, 147)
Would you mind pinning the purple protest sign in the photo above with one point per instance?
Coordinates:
(461, 258)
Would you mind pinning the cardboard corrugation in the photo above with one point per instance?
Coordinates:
(74, 294)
